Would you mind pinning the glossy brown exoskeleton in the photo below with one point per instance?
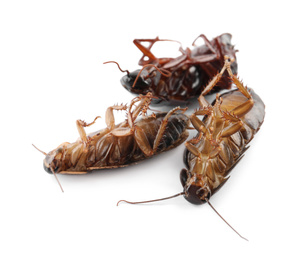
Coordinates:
(123, 144)
(189, 72)
(229, 125)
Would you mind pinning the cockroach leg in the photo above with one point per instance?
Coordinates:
(131, 128)
(122, 131)
(198, 124)
(206, 41)
(235, 79)
(110, 116)
(139, 134)
(193, 149)
(163, 126)
(196, 140)
(142, 141)
(244, 108)
(80, 127)
(232, 129)
(142, 107)
(126, 129)
(213, 82)
(147, 50)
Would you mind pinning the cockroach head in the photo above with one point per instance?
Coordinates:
(194, 192)
(53, 160)
(140, 81)
(139, 86)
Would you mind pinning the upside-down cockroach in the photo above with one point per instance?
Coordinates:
(187, 74)
(229, 124)
(123, 144)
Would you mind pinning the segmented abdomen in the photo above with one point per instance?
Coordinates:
(108, 151)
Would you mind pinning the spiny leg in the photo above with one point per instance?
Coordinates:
(210, 86)
(241, 109)
(80, 127)
(246, 106)
(130, 128)
(127, 128)
(139, 134)
(110, 122)
(142, 140)
(163, 127)
(235, 79)
(142, 107)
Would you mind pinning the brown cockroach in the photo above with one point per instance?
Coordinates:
(187, 74)
(123, 144)
(229, 124)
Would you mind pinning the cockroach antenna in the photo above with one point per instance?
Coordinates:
(118, 66)
(225, 220)
(179, 194)
(39, 150)
(50, 168)
(57, 179)
(147, 201)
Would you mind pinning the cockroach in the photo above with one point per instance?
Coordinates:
(120, 145)
(229, 124)
(185, 76)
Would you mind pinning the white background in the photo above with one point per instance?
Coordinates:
(52, 73)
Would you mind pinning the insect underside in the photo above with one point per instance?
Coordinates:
(228, 126)
(123, 144)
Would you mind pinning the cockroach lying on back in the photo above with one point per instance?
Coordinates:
(123, 144)
(229, 124)
(186, 75)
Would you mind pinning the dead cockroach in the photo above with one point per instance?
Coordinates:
(229, 124)
(123, 144)
(185, 76)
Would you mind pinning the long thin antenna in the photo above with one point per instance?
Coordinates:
(56, 178)
(39, 150)
(147, 201)
(50, 168)
(224, 220)
(118, 66)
